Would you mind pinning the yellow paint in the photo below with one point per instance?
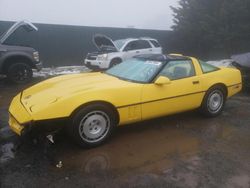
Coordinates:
(176, 54)
(15, 126)
(60, 96)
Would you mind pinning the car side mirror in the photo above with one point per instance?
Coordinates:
(162, 80)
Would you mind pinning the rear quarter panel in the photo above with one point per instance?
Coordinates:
(230, 77)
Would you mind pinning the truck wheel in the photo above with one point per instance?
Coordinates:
(92, 125)
(213, 102)
(19, 73)
(115, 62)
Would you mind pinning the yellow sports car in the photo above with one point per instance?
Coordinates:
(91, 105)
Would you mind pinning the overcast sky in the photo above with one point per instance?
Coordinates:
(146, 14)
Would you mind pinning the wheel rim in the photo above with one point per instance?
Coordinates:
(94, 126)
(20, 74)
(215, 101)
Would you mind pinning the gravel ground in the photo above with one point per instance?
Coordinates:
(184, 150)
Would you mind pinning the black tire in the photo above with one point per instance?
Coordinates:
(19, 73)
(95, 120)
(213, 102)
(115, 62)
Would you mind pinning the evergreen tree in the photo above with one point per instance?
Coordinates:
(212, 27)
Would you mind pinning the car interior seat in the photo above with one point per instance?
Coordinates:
(180, 72)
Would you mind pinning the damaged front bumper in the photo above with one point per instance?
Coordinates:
(19, 117)
(22, 123)
(101, 64)
(15, 126)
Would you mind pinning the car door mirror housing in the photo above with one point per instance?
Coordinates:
(162, 80)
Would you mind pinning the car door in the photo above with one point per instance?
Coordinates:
(145, 47)
(131, 50)
(181, 94)
(157, 49)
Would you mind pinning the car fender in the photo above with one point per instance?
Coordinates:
(229, 77)
(116, 58)
(64, 107)
(114, 55)
(9, 55)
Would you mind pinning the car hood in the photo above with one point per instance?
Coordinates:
(57, 88)
(16, 48)
(104, 43)
(25, 24)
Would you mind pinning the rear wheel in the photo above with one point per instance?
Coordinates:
(213, 102)
(19, 73)
(92, 125)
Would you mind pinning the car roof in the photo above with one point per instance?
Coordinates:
(147, 38)
(161, 57)
(141, 38)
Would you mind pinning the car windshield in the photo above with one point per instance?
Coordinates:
(136, 70)
(119, 43)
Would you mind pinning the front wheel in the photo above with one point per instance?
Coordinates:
(213, 102)
(115, 62)
(19, 73)
(92, 125)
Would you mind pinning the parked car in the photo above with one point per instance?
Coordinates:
(242, 62)
(222, 63)
(141, 88)
(239, 61)
(17, 62)
(111, 53)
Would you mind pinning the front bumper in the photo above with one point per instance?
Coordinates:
(22, 123)
(16, 127)
(19, 117)
(96, 64)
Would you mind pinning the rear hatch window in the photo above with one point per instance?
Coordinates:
(155, 43)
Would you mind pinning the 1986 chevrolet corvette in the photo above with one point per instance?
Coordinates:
(91, 105)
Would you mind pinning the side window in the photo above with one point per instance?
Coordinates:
(155, 43)
(143, 44)
(206, 68)
(131, 46)
(175, 70)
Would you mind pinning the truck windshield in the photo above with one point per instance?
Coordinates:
(119, 43)
(136, 70)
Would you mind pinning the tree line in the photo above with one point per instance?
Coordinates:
(211, 28)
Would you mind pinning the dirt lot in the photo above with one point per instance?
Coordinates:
(184, 150)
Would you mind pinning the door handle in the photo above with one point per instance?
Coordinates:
(196, 82)
(137, 52)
